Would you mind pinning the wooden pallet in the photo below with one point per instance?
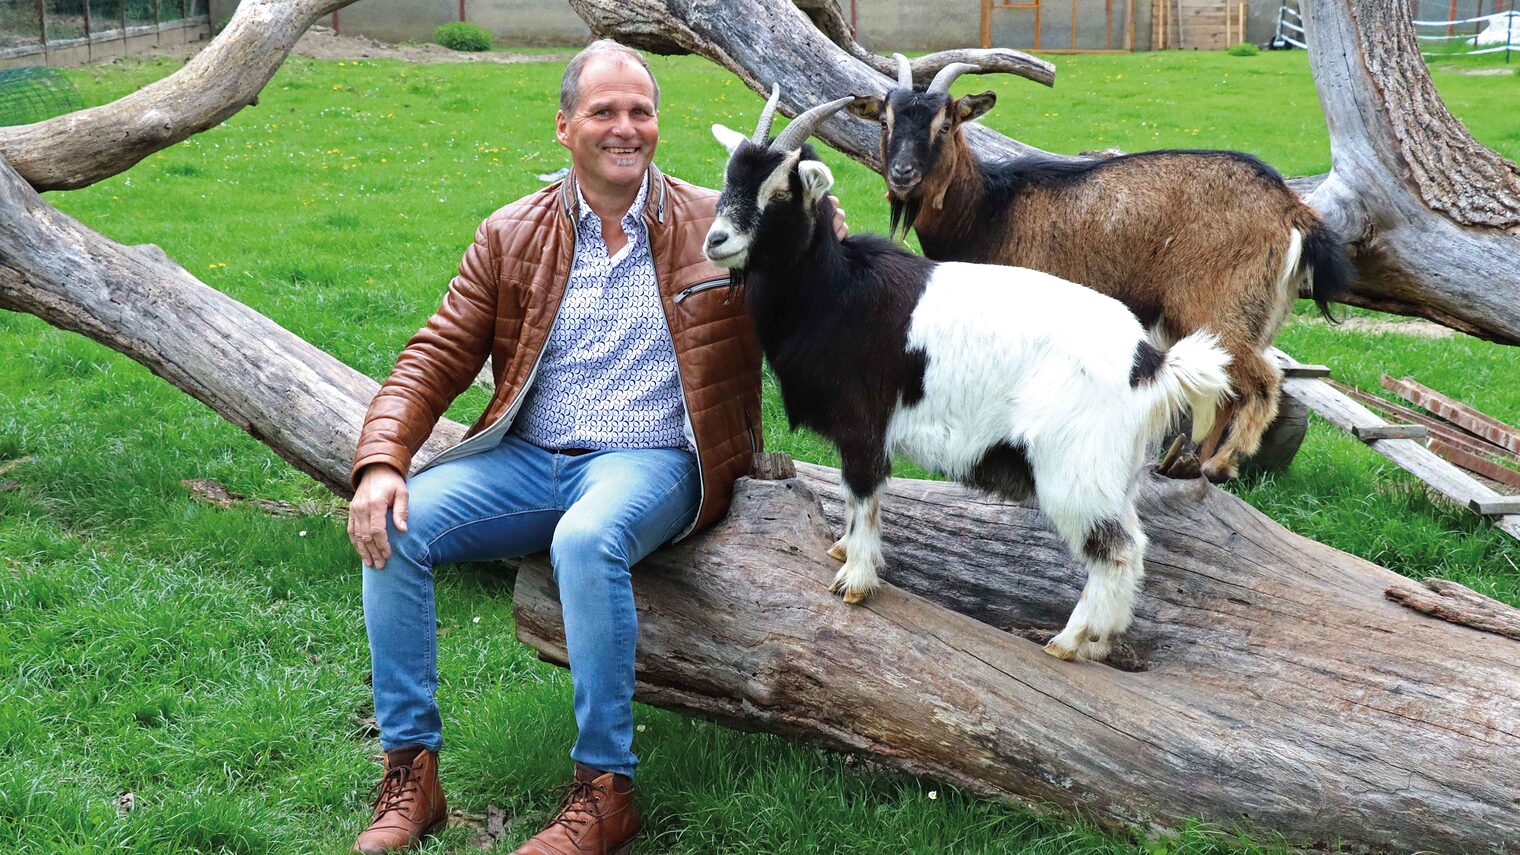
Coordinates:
(1309, 385)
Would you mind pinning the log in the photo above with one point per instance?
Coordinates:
(1432, 217)
(1267, 682)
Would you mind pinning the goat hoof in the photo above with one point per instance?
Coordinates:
(836, 551)
(1081, 647)
(1060, 651)
(853, 586)
(1218, 473)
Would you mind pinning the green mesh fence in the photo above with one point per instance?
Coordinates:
(33, 93)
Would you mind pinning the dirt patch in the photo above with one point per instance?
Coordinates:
(1414, 327)
(1477, 72)
(322, 43)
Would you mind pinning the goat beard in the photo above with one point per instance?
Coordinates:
(904, 214)
(735, 282)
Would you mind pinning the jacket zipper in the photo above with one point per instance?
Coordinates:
(701, 482)
(706, 285)
(511, 412)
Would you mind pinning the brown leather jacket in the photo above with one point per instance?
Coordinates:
(504, 300)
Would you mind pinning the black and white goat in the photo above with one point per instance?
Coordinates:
(1187, 240)
(1005, 379)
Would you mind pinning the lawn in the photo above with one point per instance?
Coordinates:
(212, 662)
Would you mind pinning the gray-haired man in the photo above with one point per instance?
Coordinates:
(627, 402)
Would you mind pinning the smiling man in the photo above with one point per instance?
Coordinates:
(627, 403)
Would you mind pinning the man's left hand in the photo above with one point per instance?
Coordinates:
(841, 228)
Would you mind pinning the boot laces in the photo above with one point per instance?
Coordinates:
(580, 808)
(395, 792)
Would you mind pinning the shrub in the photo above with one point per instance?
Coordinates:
(462, 36)
(1242, 49)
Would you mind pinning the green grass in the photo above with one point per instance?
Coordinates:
(212, 662)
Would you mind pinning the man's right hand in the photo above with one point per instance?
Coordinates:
(381, 487)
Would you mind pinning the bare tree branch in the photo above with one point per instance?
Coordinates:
(86, 146)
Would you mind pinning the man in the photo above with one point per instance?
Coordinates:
(627, 402)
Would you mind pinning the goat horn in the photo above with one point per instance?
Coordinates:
(763, 128)
(904, 71)
(948, 74)
(802, 127)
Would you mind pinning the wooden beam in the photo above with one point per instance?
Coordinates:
(1370, 433)
(1474, 463)
(1445, 431)
(1455, 412)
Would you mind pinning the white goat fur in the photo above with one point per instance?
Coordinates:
(1021, 357)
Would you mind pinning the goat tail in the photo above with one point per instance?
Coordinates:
(1324, 262)
(1191, 377)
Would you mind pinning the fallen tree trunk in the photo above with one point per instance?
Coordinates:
(1267, 681)
(1433, 217)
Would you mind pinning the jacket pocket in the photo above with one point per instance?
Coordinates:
(698, 288)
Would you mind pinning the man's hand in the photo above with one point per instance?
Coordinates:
(380, 488)
(841, 228)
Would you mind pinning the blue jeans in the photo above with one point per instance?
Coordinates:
(597, 514)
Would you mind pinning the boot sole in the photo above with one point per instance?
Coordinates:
(625, 849)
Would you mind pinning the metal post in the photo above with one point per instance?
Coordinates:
(42, 26)
(89, 37)
(1509, 31)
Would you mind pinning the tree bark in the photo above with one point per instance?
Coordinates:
(1432, 217)
(1266, 682)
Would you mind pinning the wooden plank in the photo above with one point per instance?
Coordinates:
(1455, 412)
(1306, 371)
(1370, 433)
(1445, 431)
(1473, 463)
(1441, 475)
(1496, 507)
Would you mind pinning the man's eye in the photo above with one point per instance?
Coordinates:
(603, 113)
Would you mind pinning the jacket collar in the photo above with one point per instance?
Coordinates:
(654, 205)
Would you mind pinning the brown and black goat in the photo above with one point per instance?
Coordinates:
(1187, 240)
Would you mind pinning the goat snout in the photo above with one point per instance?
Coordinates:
(902, 177)
(716, 238)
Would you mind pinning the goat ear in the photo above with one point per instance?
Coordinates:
(972, 106)
(867, 107)
(729, 138)
(816, 180)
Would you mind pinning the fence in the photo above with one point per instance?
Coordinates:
(1483, 34)
(68, 31)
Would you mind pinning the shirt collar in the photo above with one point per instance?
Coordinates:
(631, 219)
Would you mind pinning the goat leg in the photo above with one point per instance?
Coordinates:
(857, 579)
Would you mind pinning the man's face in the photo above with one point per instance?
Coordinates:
(613, 131)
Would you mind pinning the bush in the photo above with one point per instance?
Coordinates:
(1242, 49)
(462, 36)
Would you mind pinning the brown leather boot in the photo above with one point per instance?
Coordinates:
(598, 818)
(409, 805)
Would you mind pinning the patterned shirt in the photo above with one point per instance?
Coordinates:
(607, 377)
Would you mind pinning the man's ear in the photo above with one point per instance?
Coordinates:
(867, 107)
(729, 138)
(972, 106)
(816, 180)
